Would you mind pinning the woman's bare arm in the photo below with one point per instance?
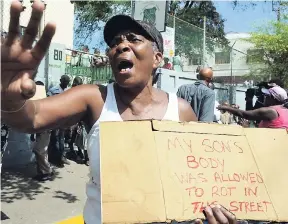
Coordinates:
(61, 110)
(20, 60)
(264, 113)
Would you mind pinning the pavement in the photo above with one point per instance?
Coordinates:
(26, 201)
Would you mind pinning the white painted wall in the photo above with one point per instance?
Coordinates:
(61, 12)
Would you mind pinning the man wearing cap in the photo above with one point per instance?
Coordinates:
(273, 115)
(136, 51)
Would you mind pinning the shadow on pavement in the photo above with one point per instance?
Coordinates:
(17, 183)
(70, 198)
(4, 216)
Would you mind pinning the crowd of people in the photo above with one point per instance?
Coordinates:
(135, 53)
(269, 111)
(173, 64)
(49, 146)
(85, 59)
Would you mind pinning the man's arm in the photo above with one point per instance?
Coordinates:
(61, 110)
(263, 113)
(207, 108)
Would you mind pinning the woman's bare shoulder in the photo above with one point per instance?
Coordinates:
(89, 90)
(186, 112)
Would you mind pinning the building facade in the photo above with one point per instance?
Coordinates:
(234, 62)
(62, 12)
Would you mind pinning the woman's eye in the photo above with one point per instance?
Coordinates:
(135, 39)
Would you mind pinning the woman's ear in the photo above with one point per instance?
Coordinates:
(158, 57)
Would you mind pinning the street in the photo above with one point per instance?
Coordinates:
(26, 201)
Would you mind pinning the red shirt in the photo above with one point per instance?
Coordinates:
(168, 66)
(280, 122)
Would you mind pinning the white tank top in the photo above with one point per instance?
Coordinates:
(92, 210)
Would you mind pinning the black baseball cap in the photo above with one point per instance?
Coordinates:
(120, 23)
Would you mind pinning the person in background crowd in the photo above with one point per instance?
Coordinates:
(64, 82)
(198, 69)
(97, 61)
(276, 82)
(77, 81)
(217, 113)
(274, 114)
(234, 119)
(225, 116)
(57, 138)
(78, 135)
(4, 140)
(84, 58)
(200, 96)
(167, 64)
(136, 51)
(177, 62)
(40, 149)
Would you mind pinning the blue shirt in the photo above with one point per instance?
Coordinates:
(201, 99)
(55, 90)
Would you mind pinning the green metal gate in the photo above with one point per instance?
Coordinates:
(79, 63)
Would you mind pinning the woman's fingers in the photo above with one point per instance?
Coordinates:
(210, 215)
(32, 29)
(197, 221)
(28, 87)
(43, 44)
(230, 216)
(13, 30)
(219, 215)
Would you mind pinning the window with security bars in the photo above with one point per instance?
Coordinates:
(222, 58)
(254, 56)
(195, 60)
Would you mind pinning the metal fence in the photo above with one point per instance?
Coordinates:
(93, 69)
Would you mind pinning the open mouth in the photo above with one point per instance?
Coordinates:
(125, 66)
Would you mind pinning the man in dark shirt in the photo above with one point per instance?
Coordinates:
(56, 150)
(200, 96)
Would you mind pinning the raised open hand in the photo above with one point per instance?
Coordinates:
(19, 61)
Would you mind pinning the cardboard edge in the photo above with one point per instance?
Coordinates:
(197, 127)
(161, 177)
(255, 160)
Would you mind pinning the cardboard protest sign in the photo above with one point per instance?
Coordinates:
(40, 93)
(154, 171)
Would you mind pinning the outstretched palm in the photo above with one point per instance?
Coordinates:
(19, 61)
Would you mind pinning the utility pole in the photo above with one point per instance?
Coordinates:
(204, 42)
(276, 7)
(231, 63)
(231, 74)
